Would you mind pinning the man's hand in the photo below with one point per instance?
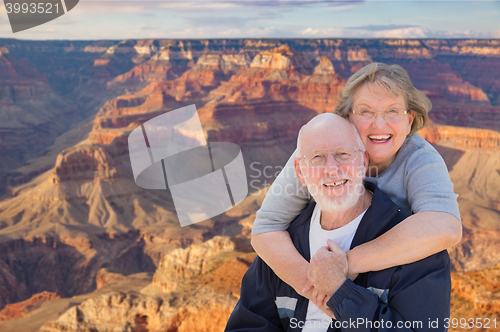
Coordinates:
(328, 269)
(318, 298)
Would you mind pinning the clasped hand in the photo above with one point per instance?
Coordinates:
(327, 271)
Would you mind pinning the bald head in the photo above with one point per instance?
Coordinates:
(325, 131)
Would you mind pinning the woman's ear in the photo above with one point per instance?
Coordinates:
(411, 117)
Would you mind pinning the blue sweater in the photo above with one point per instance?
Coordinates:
(411, 297)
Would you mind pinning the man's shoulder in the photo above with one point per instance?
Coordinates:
(302, 221)
(382, 215)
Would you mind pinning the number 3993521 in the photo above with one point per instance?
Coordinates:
(33, 8)
(469, 323)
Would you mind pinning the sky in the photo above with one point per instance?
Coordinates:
(123, 19)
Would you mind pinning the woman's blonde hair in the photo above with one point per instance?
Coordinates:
(394, 79)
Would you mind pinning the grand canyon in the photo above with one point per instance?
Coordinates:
(83, 248)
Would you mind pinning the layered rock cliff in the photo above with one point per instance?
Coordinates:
(202, 289)
(120, 311)
(24, 308)
(81, 223)
(181, 264)
(28, 112)
(461, 70)
(475, 295)
(45, 90)
(473, 159)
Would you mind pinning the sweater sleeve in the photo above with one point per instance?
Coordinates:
(417, 300)
(283, 202)
(428, 183)
(256, 310)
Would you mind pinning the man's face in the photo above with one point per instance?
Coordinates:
(335, 186)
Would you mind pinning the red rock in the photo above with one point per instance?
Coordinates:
(462, 137)
(23, 309)
(83, 164)
(256, 93)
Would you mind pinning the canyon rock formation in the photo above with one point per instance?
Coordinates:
(73, 222)
(24, 308)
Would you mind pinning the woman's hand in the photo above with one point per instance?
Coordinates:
(328, 268)
(314, 294)
(318, 298)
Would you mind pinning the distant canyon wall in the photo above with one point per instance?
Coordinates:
(71, 207)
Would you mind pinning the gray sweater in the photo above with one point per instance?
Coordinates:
(416, 180)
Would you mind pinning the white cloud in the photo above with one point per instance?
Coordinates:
(333, 33)
(122, 19)
(494, 34)
(401, 33)
(261, 32)
(310, 31)
(462, 34)
(199, 5)
(111, 7)
(232, 32)
(413, 32)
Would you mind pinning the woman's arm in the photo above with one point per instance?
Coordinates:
(284, 201)
(418, 236)
(278, 251)
(415, 238)
(435, 224)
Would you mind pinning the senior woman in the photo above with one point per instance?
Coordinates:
(387, 110)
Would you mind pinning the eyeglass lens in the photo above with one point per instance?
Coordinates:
(317, 158)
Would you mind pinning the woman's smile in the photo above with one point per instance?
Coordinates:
(382, 138)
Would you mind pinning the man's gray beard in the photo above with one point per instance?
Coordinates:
(336, 205)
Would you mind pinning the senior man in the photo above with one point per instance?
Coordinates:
(331, 162)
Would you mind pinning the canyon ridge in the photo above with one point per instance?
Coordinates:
(83, 248)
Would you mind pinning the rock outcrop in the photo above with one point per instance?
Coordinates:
(29, 113)
(82, 223)
(461, 137)
(475, 294)
(207, 283)
(24, 308)
(120, 311)
(454, 114)
(472, 157)
(182, 264)
(282, 58)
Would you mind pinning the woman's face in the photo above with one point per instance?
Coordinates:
(382, 139)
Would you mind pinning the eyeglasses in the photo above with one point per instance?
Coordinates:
(392, 115)
(342, 154)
